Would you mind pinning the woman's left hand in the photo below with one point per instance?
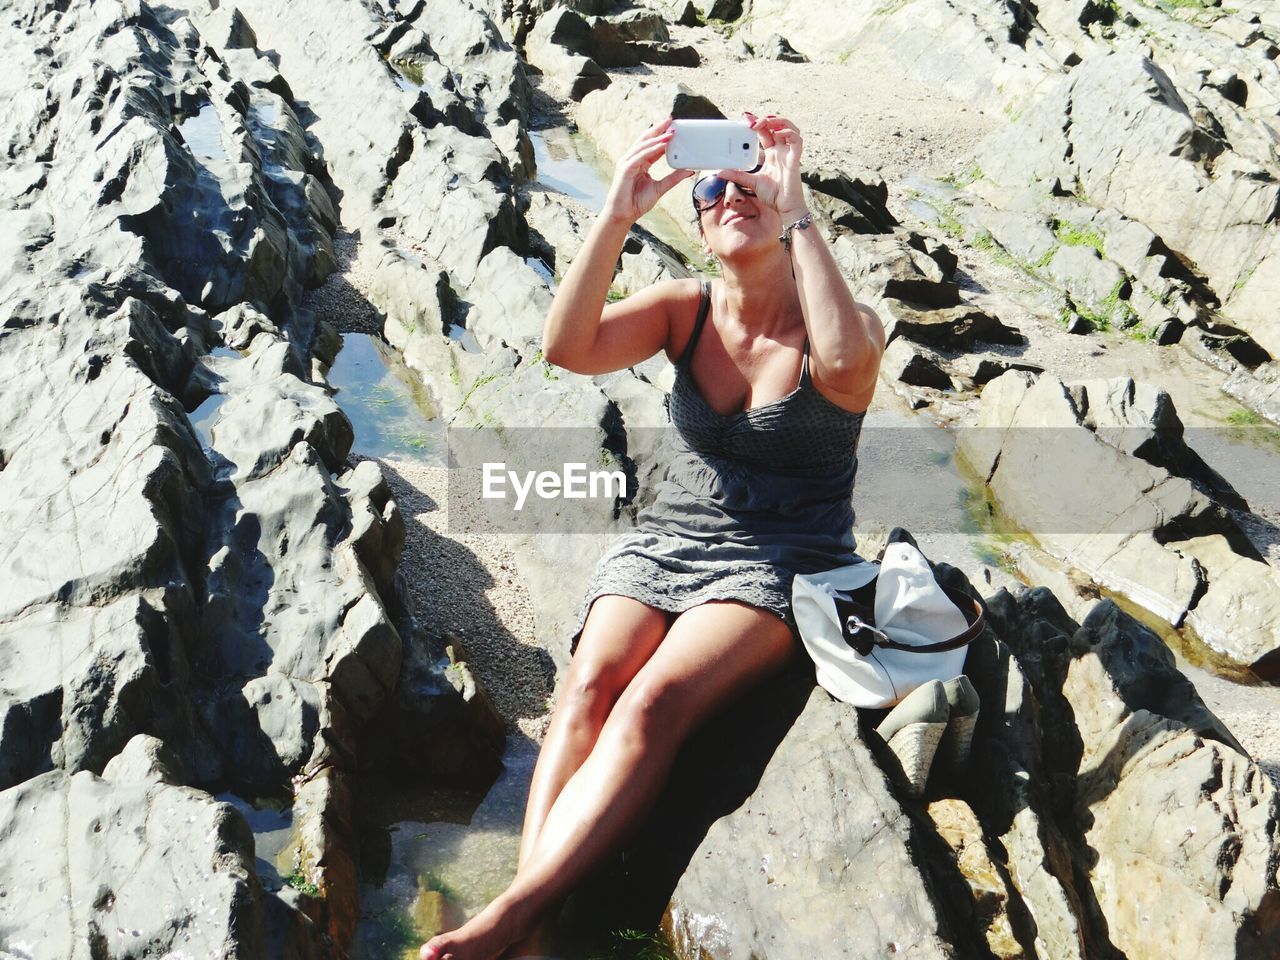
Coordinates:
(777, 183)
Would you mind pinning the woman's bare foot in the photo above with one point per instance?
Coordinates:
(483, 937)
(540, 941)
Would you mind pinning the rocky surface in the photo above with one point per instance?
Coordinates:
(221, 580)
(1098, 474)
(182, 526)
(1030, 852)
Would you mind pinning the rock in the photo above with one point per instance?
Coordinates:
(719, 9)
(551, 48)
(1148, 758)
(985, 57)
(1134, 539)
(750, 841)
(948, 328)
(646, 25)
(850, 202)
(776, 47)
(987, 879)
(1078, 325)
(907, 363)
(268, 409)
(510, 302)
(1225, 347)
(646, 260)
(982, 370)
(1118, 121)
(626, 41)
(1015, 761)
(486, 71)
(1238, 614)
(134, 863)
(1120, 729)
(1169, 332)
(685, 13)
(938, 252)
(1258, 389)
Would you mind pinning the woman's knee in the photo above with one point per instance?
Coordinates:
(620, 636)
(651, 708)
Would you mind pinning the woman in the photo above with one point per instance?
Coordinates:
(691, 608)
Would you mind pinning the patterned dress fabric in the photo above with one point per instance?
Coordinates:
(747, 501)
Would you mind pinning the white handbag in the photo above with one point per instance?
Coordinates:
(876, 631)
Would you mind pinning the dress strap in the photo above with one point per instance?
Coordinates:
(704, 305)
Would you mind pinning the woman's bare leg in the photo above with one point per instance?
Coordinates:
(711, 654)
(618, 637)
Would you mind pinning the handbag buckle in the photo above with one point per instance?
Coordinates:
(861, 635)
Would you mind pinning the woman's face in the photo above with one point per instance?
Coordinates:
(738, 222)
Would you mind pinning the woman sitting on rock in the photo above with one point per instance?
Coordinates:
(775, 368)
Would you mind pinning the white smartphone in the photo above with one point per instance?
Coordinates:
(713, 145)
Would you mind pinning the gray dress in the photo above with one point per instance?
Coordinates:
(747, 501)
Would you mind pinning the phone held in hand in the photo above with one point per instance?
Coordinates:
(712, 145)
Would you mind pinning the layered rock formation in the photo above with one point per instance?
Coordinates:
(215, 579)
(189, 557)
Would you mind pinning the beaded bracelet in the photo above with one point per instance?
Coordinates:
(801, 224)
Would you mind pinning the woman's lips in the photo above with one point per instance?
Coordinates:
(735, 217)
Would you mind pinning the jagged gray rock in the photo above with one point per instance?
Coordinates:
(131, 862)
(1099, 474)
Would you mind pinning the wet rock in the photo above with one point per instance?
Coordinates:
(1131, 524)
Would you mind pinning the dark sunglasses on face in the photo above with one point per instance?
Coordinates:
(709, 191)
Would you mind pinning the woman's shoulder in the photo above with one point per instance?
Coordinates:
(682, 298)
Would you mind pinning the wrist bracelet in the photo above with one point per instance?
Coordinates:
(801, 224)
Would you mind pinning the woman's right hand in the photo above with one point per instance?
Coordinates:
(633, 192)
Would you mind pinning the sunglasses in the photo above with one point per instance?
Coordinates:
(709, 191)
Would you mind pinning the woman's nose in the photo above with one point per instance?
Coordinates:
(733, 192)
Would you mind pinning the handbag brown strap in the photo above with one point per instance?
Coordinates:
(858, 622)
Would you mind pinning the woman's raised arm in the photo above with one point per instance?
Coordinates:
(582, 333)
(846, 339)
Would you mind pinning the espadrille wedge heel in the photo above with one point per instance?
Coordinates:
(913, 730)
(957, 741)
